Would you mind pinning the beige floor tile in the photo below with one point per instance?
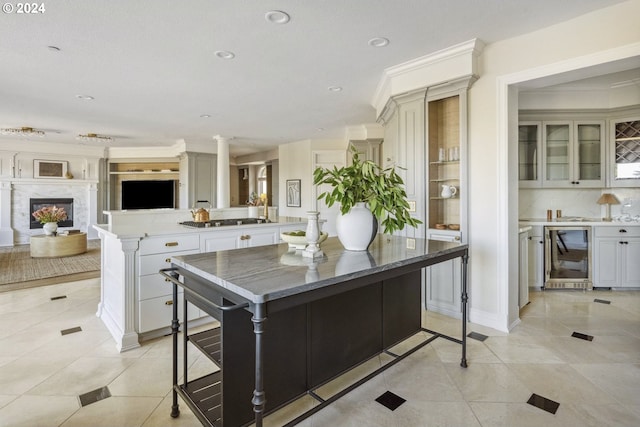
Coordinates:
(521, 349)
(6, 399)
(290, 412)
(422, 377)
(144, 377)
(352, 376)
(38, 411)
(614, 415)
(524, 415)
(541, 326)
(619, 381)
(161, 415)
(344, 413)
(114, 411)
(82, 376)
(24, 373)
(559, 382)
(440, 414)
(488, 382)
(451, 352)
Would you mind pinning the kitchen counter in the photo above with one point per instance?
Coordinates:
(575, 221)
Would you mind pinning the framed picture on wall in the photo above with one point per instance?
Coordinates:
(49, 169)
(293, 193)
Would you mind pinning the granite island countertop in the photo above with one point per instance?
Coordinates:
(266, 273)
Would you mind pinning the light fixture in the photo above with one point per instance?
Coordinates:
(277, 17)
(85, 97)
(93, 137)
(205, 116)
(225, 54)
(379, 42)
(334, 88)
(608, 199)
(23, 131)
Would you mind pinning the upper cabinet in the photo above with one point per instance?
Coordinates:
(573, 154)
(625, 153)
(561, 153)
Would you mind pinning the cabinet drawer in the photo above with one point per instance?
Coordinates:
(157, 245)
(615, 231)
(153, 286)
(157, 313)
(151, 264)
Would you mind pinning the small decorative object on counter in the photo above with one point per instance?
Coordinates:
(313, 235)
(448, 191)
(263, 199)
(549, 214)
(558, 213)
(608, 199)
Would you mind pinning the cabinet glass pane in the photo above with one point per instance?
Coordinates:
(627, 150)
(527, 152)
(589, 160)
(557, 156)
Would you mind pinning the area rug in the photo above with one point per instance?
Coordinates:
(19, 271)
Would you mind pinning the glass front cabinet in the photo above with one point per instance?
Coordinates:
(561, 154)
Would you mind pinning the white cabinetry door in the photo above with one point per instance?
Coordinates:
(258, 237)
(625, 152)
(536, 258)
(605, 268)
(617, 254)
(443, 290)
(523, 273)
(529, 154)
(219, 241)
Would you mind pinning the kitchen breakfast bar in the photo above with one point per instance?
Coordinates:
(290, 324)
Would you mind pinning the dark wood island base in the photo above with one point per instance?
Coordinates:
(282, 335)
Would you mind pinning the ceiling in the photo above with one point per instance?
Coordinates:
(153, 73)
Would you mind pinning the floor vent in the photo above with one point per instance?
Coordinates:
(390, 400)
(94, 396)
(582, 336)
(477, 336)
(70, 330)
(60, 297)
(602, 301)
(543, 403)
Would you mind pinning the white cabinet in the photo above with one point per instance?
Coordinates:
(529, 154)
(155, 293)
(625, 152)
(573, 154)
(616, 256)
(536, 257)
(523, 271)
(239, 238)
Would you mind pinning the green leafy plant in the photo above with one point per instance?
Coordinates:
(365, 181)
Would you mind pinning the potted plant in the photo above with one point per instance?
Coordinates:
(49, 217)
(371, 194)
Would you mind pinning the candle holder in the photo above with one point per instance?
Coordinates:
(313, 235)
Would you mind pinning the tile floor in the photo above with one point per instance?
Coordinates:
(596, 383)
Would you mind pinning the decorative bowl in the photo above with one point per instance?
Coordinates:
(298, 239)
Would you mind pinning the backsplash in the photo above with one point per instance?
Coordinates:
(533, 203)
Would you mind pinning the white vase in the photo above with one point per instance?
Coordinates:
(254, 212)
(50, 228)
(357, 229)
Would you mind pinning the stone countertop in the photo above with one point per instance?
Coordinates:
(268, 273)
(161, 229)
(575, 221)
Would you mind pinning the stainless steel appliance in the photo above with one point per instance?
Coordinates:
(567, 257)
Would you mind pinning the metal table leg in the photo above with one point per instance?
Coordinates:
(259, 399)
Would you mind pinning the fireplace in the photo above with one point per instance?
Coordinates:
(36, 204)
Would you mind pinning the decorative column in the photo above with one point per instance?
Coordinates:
(223, 183)
(6, 232)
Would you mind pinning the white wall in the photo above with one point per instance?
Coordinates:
(492, 198)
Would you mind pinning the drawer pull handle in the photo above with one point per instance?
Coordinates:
(167, 260)
(168, 302)
(171, 244)
(167, 280)
(622, 230)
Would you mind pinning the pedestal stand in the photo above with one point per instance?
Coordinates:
(313, 235)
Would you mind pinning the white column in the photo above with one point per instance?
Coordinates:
(6, 232)
(223, 186)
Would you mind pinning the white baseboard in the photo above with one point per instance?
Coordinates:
(488, 319)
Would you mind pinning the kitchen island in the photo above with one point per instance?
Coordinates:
(135, 301)
(290, 324)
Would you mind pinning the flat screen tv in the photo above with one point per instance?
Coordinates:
(149, 194)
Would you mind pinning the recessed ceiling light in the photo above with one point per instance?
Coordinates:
(85, 97)
(205, 116)
(334, 88)
(320, 129)
(53, 48)
(378, 42)
(225, 54)
(277, 17)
